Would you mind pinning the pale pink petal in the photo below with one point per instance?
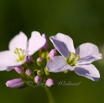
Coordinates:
(35, 42)
(8, 58)
(63, 43)
(19, 41)
(89, 71)
(10, 68)
(58, 64)
(88, 53)
(2, 68)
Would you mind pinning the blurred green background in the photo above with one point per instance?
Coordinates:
(83, 20)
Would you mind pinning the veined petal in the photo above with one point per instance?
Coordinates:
(58, 64)
(63, 43)
(19, 41)
(35, 42)
(8, 58)
(88, 53)
(89, 71)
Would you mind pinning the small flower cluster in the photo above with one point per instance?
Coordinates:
(20, 58)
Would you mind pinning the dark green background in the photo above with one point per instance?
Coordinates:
(83, 20)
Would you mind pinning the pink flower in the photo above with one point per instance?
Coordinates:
(78, 60)
(19, 49)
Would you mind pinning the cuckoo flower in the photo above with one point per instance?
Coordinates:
(78, 60)
(19, 49)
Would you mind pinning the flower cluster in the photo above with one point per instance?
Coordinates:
(20, 58)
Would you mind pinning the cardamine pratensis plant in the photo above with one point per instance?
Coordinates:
(19, 57)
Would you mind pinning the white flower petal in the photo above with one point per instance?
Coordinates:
(10, 68)
(8, 58)
(2, 68)
(89, 71)
(63, 43)
(19, 41)
(35, 42)
(58, 64)
(5, 57)
(88, 53)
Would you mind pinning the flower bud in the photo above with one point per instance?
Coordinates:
(29, 72)
(37, 79)
(52, 53)
(19, 69)
(40, 73)
(29, 59)
(46, 46)
(15, 83)
(39, 61)
(50, 82)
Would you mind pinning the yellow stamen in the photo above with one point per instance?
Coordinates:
(20, 54)
(72, 59)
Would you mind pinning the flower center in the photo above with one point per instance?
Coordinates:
(72, 59)
(20, 54)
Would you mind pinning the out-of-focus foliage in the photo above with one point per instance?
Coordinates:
(83, 20)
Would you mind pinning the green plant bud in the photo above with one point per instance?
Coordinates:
(66, 71)
(40, 73)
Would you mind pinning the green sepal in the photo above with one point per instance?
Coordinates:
(66, 72)
(43, 53)
(46, 71)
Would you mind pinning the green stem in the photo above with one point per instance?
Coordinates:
(50, 97)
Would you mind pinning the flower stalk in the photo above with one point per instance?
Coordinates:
(50, 96)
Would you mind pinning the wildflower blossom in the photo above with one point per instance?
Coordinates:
(19, 57)
(19, 49)
(78, 60)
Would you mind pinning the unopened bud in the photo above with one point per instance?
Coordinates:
(50, 82)
(29, 72)
(19, 69)
(46, 46)
(52, 53)
(15, 83)
(37, 79)
(40, 73)
(39, 61)
(29, 59)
